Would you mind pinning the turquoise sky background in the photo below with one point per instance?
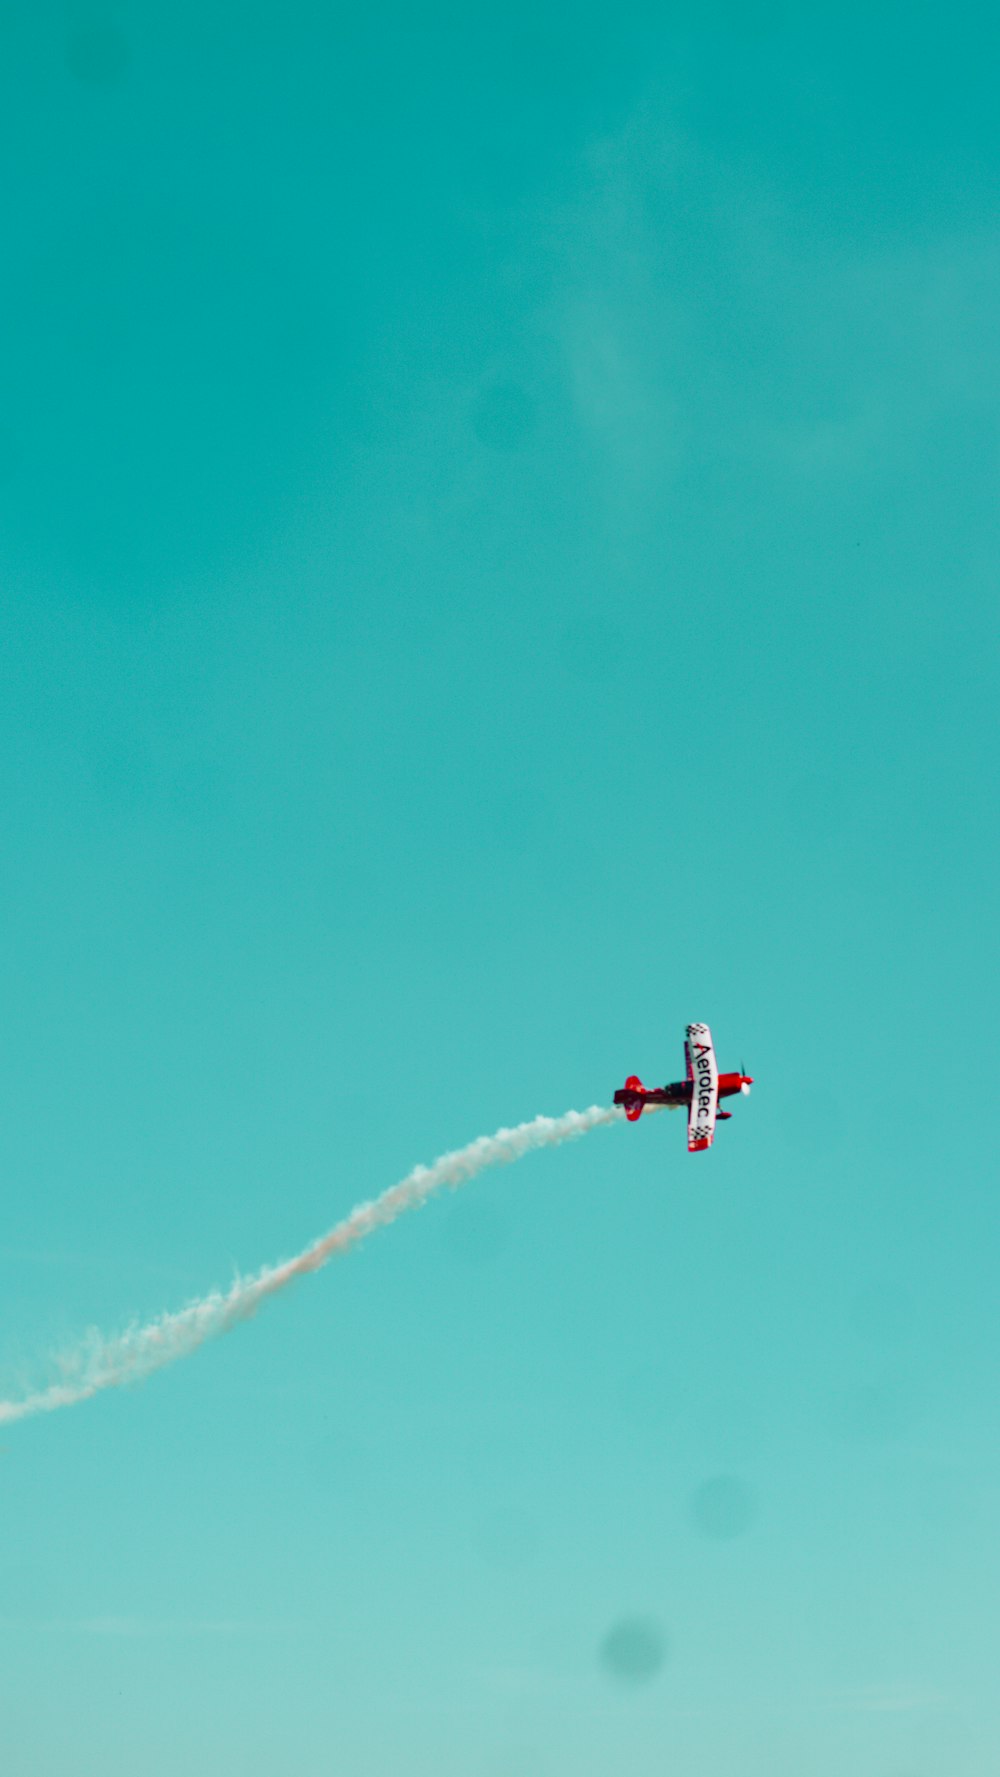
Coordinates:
(498, 557)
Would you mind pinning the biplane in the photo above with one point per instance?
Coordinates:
(700, 1092)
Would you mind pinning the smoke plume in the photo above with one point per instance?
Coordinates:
(109, 1362)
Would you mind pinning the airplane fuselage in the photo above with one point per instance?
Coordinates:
(678, 1093)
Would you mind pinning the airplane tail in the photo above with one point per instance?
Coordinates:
(629, 1096)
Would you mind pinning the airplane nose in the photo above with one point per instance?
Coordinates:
(745, 1084)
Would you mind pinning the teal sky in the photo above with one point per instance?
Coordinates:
(498, 558)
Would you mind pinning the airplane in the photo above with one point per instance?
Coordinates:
(701, 1091)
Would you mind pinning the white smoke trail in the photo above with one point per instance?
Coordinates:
(133, 1355)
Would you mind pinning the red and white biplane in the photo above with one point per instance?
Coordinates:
(701, 1091)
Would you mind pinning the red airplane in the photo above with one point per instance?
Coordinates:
(701, 1091)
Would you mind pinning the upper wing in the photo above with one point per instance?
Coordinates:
(704, 1090)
